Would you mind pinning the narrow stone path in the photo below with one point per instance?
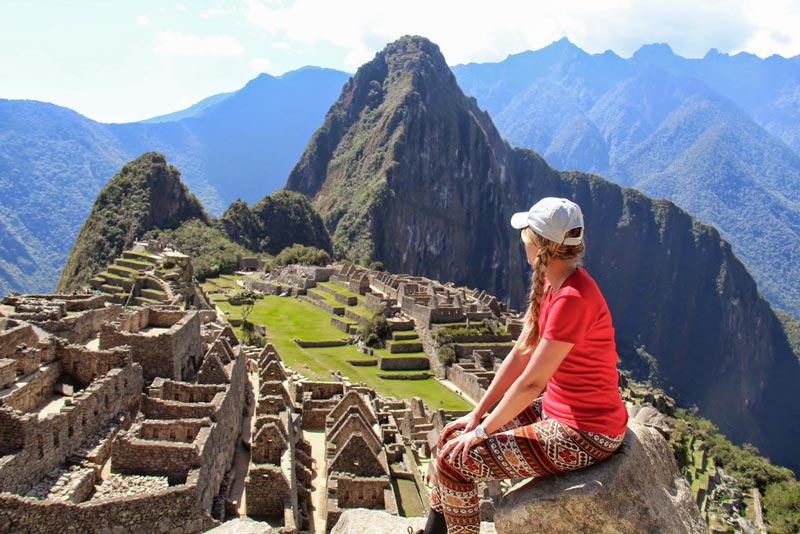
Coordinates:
(320, 481)
(241, 460)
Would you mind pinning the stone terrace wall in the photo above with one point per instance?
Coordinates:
(172, 510)
(42, 445)
(467, 382)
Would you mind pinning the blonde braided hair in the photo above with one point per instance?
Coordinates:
(546, 250)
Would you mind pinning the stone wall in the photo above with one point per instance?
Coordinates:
(155, 408)
(184, 392)
(174, 353)
(133, 455)
(321, 344)
(361, 492)
(84, 326)
(267, 491)
(341, 324)
(499, 350)
(403, 363)
(84, 365)
(218, 452)
(172, 510)
(470, 383)
(319, 390)
(40, 445)
(11, 338)
(35, 390)
(74, 302)
(8, 372)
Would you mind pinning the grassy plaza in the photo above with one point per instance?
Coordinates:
(288, 318)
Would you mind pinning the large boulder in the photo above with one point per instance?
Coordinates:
(637, 490)
(361, 521)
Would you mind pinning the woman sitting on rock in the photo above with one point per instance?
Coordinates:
(567, 346)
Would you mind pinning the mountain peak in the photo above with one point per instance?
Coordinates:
(654, 52)
(145, 194)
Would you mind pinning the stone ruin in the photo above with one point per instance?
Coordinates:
(279, 478)
(115, 419)
(370, 442)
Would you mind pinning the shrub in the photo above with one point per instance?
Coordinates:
(782, 504)
(376, 330)
(302, 255)
(446, 355)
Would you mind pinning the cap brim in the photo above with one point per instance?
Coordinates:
(519, 220)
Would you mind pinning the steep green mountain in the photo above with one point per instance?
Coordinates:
(147, 199)
(714, 135)
(53, 161)
(275, 222)
(407, 170)
(144, 195)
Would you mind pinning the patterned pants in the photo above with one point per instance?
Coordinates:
(530, 445)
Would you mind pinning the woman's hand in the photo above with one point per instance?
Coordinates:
(467, 422)
(460, 445)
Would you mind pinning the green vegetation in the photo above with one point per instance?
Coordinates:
(144, 195)
(782, 505)
(375, 331)
(791, 327)
(211, 251)
(276, 222)
(745, 464)
(302, 255)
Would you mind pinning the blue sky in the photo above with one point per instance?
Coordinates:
(121, 60)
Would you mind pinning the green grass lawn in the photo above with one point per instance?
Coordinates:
(287, 318)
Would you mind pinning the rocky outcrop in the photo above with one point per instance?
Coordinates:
(146, 193)
(362, 521)
(275, 222)
(407, 170)
(636, 491)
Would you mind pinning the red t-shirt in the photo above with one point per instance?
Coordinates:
(583, 392)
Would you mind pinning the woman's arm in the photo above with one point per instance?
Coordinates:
(524, 390)
(546, 359)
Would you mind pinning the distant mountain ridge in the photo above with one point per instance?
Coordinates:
(53, 161)
(407, 170)
(720, 136)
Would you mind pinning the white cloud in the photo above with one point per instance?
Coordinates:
(776, 28)
(260, 64)
(143, 20)
(472, 30)
(216, 12)
(181, 44)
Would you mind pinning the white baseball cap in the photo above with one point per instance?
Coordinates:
(552, 218)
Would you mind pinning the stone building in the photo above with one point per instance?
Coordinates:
(280, 473)
(115, 419)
